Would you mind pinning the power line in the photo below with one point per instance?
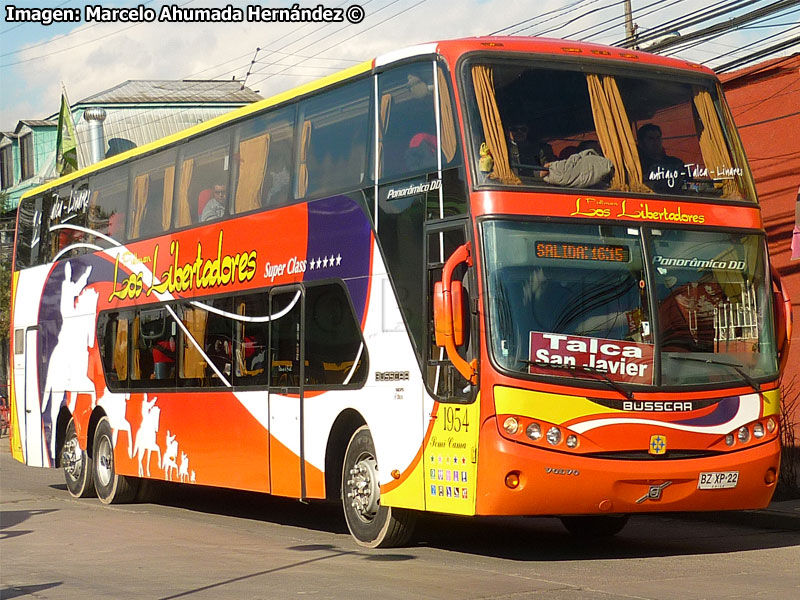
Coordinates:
(740, 62)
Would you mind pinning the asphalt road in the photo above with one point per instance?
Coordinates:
(200, 543)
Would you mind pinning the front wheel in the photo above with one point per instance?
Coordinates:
(77, 465)
(372, 525)
(111, 487)
(595, 526)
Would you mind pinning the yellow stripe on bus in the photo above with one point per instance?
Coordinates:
(553, 408)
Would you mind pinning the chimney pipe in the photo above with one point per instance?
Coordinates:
(95, 117)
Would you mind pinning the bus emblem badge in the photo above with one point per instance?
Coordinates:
(654, 493)
(658, 444)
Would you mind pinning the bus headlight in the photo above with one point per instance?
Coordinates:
(771, 425)
(554, 436)
(743, 434)
(511, 425)
(534, 432)
(572, 441)
(758, 431)
(730, 440)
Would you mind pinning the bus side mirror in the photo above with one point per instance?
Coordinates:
(448, 324)
(448, 313)
(783, 318)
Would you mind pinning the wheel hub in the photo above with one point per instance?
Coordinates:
(363, 488)
(105, 461)
(72, 458)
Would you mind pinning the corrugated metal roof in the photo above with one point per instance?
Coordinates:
(141, 126)
(170, 91)
(39, 123)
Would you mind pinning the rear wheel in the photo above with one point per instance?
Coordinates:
(595, 526)
(111, 487)
(77, 465)
(372, 525)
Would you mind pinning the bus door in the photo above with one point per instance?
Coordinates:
(31, 416)
(287, 375)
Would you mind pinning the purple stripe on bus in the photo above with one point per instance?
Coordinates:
(723, 412)
(339, 242)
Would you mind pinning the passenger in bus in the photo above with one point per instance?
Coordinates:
(523, 155)
(214, 207)
(164, 358)
(660, 171)
(421, 153)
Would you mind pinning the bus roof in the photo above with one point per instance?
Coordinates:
(451, 50)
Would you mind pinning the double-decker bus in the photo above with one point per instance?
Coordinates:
(492, 276)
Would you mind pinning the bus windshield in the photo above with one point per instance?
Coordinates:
(557, 127)
(576, 301)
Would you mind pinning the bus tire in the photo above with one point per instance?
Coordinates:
(77, 465)
(372, 525)
(597, 526)
(111, 487)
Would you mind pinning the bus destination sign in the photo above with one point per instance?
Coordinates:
(582, 251)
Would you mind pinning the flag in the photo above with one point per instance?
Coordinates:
(67, 141)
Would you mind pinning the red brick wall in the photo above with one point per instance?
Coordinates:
(765, 101)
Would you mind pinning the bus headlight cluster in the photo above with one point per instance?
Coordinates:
(539, 432)
(756, 430)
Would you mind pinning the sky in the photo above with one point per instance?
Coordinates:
(89, 57)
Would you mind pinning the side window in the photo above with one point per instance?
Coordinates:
(151, 202)
(334, 132)
(204, 180)
(264, 158)
(335, 353)
(113, 333)
(154, 348)
(30, 249)
(407, 122)
(68, 220)
(205, 354)
(285, 310)
(108, 204)
(250, 340)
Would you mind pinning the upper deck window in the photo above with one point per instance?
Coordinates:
(646, 133)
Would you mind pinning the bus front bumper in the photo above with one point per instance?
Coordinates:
(557, 483)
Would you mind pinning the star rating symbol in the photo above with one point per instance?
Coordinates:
(315, 264)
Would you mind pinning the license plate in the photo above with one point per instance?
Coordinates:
(717, 480)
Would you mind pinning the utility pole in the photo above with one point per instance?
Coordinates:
(630, 30)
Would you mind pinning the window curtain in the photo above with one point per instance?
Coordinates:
(494, 136)
(615, 134)
(302, 174)
(136, 364)
(141, 185)
(166, 206)
(194, 363)
(253, 155)
(446, 116)
(385, 113)
(712, 140)
(120, 358)
(184, 209)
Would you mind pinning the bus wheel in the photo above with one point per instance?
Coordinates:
(595, 526)
(111, 487)
(77, 465)
(372, 525)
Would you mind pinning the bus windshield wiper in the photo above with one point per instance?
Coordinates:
(735, 366)
(591, 370)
